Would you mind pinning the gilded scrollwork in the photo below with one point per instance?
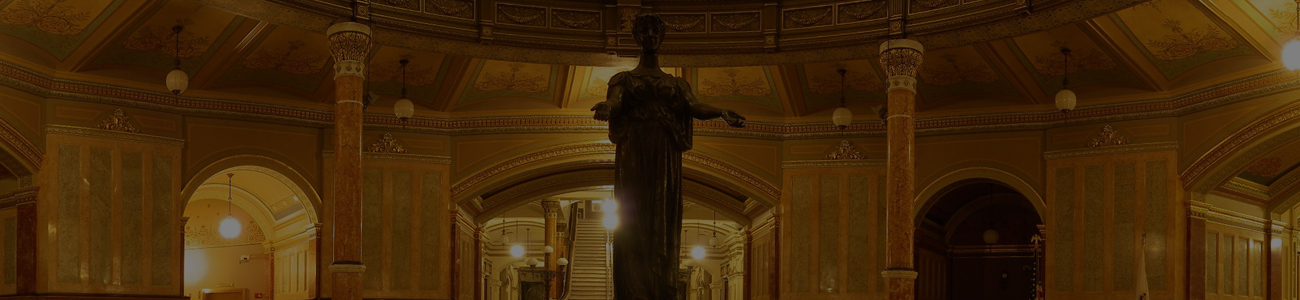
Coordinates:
(748, 21)
(808, 17)
(454, 8)
(521, 15)
(901, 61)
(386, 144)
(573, 19)
(684, 22)
(846, 150)
(1107, 137)
(853, 12)
(118, 121)
(627, 15)
(349, 45)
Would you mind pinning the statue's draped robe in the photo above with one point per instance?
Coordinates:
(651, 129)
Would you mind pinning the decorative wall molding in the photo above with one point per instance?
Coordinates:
(420, 158)
(1107, 137)
(846, 150)
(118, 121)
(113, 135)
(1107, 150)
(1235, 141)
(25, 149)
(813, 164)
(386, 144)
(18, 196)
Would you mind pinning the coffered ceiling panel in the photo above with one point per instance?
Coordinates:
(58, 26)
(1179, 35)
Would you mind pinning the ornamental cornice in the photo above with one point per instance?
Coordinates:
(1108, 150)
(1239, 220)
(1233, 143)
(1250, 189)
(420, 158)
(113, 135)
(1199, 210)
(25, 148)
(19, 196)
(1199, 100)
(826, 163)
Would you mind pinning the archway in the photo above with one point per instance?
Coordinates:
(273, 251)
(975, 239)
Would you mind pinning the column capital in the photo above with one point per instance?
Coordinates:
(901, 59)
(349, 45)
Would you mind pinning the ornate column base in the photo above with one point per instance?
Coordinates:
(900, 284)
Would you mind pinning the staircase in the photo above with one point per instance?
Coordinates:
(590, 279)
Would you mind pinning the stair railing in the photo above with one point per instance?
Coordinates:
(568, 250)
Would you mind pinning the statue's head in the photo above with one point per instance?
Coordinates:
(648, 30)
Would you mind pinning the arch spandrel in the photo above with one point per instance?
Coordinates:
(929, 194)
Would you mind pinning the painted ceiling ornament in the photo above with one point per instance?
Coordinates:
(118, 121)
(1107, 137)
(56, 17)
(386, 144)
(846, 150)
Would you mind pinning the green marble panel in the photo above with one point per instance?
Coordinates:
(431, 209)
(1243, 283)
(132, 217)
(1257, 268)
(162, 259)
(801, 216)
(69, 214)
(859, 234)
(11, 250)
(1125, 218)
(828, 239)
(1212, 263)
(1062, 249)
(1157, 216)
(1094, 228)
(101, 205)
(401, 240)
(881, 230)
(372, 235)
(1229, 265)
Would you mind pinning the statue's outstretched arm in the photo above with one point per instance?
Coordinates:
(613, 101)
(702, 111)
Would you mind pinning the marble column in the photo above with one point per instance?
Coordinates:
(1196, 239)
(1275, 261)
(901, 58)
(349, 44)
(551, 212)
(26, 248)
(268, 251)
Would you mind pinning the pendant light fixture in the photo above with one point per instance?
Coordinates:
(842, 116)
(697, 252)
(230, 227)
(1065, 99)
(504, 239)
(713, 241)
(177, 80)
(404, 109)
(1291, 51)
(517, 251)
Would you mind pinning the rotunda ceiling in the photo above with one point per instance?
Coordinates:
(547, 58)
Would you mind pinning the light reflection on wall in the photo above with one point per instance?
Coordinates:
(196, 266)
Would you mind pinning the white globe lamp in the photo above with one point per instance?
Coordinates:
(177, 81)
(1291, 54)
(517, 251)
(697, 252)
(842, 117)
(1065, 100)
(229, 227)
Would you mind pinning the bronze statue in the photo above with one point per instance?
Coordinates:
(650, 114)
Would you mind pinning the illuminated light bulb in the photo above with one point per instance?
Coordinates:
(697, 252)
(404, 109)
(611, 206)
(1291, 54)
(842, 117)
(1065, 100)
(610, 221)
(517, 251)
(177, 81)
(229, 227)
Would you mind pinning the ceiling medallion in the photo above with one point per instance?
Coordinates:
(118, 121)
(386, 144)
(845, 151)
(1107, 137)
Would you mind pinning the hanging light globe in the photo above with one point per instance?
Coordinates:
(177, 81)
(532, 261)
(610, 221)
(1065, 100)
(842, 117)
(1291, 54)
(697, 252)
(713, 241)
(404, 109)
(504, 239)
(229, 227)
(517, 251)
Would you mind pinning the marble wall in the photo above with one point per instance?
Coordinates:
(9, 245)
(1100, 208)
(832, 232)
(112, 211)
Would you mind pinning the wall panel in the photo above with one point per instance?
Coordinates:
(406, 226)
(831, 239)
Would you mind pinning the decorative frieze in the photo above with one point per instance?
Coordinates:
(115, 135)
(386, 144)
(735, 22)
(1108, 136)
(118, 121)
(845, 151)
(463, 9)
(575, 19)
(684, 23)
(1133, 148)
(521, 15)
(807, 17)
(861, 11)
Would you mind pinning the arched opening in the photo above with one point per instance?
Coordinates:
(517, 231)
(270, 253)
(975, 240)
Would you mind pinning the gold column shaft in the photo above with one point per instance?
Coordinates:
(350, 45)
(551, 211)
(901, 59)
